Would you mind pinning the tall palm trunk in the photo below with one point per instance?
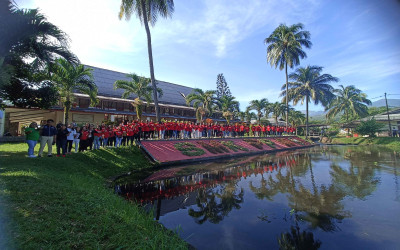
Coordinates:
(307, 116)
(153, 80)
(67, 108)
(287, 97)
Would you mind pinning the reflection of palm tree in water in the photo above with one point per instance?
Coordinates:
(358, 182)
(298, 240)
(321, 207)
(214, 204)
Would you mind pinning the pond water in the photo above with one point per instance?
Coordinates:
(328, 197)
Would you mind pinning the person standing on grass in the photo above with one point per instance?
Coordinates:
(118, 137)
(77, 136)
(70, 137)
(97, 134)
(84, 139)
(32, 137)
(61, 141)
(49, 133)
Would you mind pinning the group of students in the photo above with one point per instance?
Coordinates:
(91, 137)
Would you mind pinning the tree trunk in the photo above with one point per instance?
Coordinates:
(153, 80)
(67, 108)
(138, 111)
(287, 97)
(307, 117)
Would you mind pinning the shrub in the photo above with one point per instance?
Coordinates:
(234, 147)
(369, 127)
(189, 149)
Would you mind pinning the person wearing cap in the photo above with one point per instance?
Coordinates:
(32, 137)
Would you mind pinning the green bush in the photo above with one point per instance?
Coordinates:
(369, 127)
(332, 131)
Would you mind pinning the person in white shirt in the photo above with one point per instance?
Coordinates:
(70, 137)
(77, 138)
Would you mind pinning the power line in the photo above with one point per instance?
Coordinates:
(377, 97)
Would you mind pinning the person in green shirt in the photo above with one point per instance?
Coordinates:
(32, 137)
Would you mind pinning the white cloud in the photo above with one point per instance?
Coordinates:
(93, 27)
(223, 24)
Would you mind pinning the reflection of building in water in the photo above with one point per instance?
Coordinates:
(186, 185)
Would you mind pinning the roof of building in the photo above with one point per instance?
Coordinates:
(393, 114)
(105, 79)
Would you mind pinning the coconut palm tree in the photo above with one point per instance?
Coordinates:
(228, 106)
(309, 84)
(296, 118)
(67, 78)
(241, 115)
(259, 106)
(278, 109)
(29, 43)
(285, 49)
(204, 102)
(350, 101)
(138, 86)
(250, 115)
(148, 11)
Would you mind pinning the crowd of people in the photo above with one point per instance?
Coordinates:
(91, 137)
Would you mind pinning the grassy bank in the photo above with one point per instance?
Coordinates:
(66, 203)
(392, 143)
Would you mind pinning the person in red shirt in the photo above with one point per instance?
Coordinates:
(129, 135)
(105, 136)
(118, 136)
(247, 130)
(242, 129)
(264, 130)
(97, 134)
(188, 130)
(84, 140)
(253, 129)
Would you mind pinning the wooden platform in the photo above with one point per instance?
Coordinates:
(171, 152)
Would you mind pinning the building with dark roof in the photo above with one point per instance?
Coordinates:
(111, 107)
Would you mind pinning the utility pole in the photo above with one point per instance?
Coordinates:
(387, 111)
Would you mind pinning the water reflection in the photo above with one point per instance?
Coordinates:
(214, 204)
(298, 240)
(296, 193)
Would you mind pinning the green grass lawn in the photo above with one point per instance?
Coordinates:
(390, 142)
(57, 203)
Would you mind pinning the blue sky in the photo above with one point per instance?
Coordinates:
(357, 41)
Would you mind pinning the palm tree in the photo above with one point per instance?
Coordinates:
(349, 100)
(138, 86)
(67, 78)
(241, 115)
(285, 49)
(259, 106)
(28, 45)
(309, 84)
(148, 11)
(229, 106)
(250, 115)
(296, 118)
(278, 109)
(203, 102)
